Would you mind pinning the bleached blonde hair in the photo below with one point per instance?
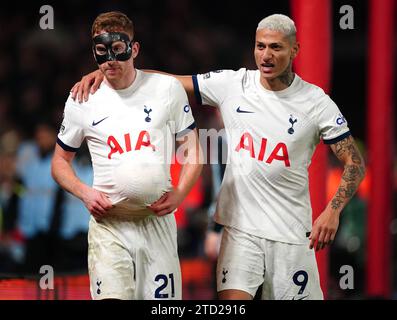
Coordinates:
(279, 22)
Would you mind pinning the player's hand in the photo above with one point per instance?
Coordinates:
(167, 203)
(324, 229)
(88, 84)
(212, 244)
(96, 202)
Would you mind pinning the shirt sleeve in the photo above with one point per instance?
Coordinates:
(332, 124)
(211, 88)
(181, 116)
(71, 132)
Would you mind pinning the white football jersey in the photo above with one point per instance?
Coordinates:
(137, 124)
(271, 139)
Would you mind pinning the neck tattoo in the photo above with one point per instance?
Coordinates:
(287, 77)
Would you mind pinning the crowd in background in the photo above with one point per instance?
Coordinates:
(40, 223)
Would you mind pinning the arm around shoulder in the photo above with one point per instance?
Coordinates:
(186, 80)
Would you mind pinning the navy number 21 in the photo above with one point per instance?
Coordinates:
(163, 279)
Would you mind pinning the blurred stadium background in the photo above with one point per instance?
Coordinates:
(41, 225)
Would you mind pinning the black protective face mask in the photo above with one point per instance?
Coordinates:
(112, 46)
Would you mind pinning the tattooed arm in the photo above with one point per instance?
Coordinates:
(347, 152)
(326, 225)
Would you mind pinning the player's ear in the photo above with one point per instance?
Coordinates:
(135, 49)
(295, 49)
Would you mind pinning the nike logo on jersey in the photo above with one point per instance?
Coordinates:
(301, 298)
(98, 122)
(243, 111)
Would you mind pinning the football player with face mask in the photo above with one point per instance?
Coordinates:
(127, 125)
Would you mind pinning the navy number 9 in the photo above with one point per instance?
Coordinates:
(300, 279)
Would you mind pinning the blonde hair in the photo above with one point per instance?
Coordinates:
(279, 22)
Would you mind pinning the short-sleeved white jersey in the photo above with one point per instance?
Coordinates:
(271, 139)
(139, 121)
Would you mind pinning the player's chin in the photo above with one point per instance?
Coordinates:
(112, 74)
(269, 73)
(268, 76)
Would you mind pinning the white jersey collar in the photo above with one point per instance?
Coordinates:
(281, 93)
(131, 88)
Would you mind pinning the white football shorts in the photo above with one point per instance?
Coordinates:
(135, 259)
(287, 271)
